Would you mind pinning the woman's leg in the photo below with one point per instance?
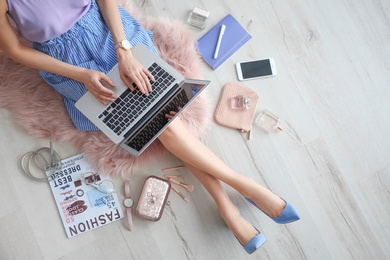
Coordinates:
(180, 141)
(240, 227)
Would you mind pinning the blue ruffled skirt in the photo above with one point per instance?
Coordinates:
(88, 44)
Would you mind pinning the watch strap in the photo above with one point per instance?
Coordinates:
(128, 210)
(117, 45)
(121, 45)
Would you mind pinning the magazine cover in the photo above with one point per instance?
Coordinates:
(85, 200)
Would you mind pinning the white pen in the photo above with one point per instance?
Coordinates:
(221, 32)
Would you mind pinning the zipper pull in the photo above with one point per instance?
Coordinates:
(249, 133)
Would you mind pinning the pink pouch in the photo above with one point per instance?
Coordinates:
(153, 198)
(240, 119)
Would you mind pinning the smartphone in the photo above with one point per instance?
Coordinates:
(255, 69)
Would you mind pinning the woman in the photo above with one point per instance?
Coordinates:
(74, 43)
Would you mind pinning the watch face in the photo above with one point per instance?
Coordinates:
(128, 202)
(126, 44)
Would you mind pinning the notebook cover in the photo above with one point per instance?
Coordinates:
(234, 38)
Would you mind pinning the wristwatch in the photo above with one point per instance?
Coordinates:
(128, 202)
(124, 44)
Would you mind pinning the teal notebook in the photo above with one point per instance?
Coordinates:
(234, 38)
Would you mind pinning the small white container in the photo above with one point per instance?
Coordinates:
(198, 18)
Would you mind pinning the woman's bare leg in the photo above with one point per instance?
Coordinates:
(180, 141)
(240, 227)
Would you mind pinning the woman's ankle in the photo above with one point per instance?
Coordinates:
(272, 206)
(265, 199)
(241, 228)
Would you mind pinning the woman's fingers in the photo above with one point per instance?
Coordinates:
(141, 84)
(142, 80)
(101, 90)
(128, 83)
(106, 79)
(133, 72)
(103, 96)
(99, 84)
(171, 114)
(148, 77)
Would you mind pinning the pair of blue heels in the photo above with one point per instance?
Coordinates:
(289, 214)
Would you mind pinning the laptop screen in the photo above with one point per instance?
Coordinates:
(188, 91)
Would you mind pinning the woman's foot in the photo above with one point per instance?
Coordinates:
(255, 243)
(273, 206)
(248, 236)
(264, 199)
(289, 214)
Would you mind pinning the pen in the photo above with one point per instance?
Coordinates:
(221, 32)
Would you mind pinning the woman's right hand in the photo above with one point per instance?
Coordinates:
(171, 114)
(93, 79)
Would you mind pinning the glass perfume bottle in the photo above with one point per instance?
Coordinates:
(268, 121)
(240, 102)
(198, 18)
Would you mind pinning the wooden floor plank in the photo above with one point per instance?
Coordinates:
(331, 161)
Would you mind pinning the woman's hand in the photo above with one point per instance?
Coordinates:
(171, 114)
(92, 80)
(131, 71)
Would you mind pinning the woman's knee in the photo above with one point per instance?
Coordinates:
(172, 131)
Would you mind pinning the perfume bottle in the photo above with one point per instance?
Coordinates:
(268, 121)
(198, 18)
(240, 102)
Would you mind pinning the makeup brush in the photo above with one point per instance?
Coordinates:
(180, 194)
(174, 176)
(188, 187)
(172, 168)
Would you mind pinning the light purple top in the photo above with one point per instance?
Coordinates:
(42, 20)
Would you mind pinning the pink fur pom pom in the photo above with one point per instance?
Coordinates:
(43, 113)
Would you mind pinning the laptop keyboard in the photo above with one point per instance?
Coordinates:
(157, 123)
(130, 104)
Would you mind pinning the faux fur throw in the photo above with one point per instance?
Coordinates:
(39, 109)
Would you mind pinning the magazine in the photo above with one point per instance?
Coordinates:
(85, 200)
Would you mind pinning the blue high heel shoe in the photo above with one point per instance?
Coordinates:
(289, 214)
(254, 243)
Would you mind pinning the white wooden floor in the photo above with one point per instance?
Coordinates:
(332, 161)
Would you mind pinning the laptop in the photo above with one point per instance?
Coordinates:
(135, 120)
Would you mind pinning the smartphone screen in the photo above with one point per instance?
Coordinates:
(256, 69)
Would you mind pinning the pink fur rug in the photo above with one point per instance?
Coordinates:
(39, 109)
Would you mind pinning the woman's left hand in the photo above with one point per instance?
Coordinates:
(131, 71)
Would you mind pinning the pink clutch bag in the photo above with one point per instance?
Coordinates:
(236, 107)
(153, 198)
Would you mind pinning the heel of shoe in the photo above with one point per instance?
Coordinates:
(255, 243)
(289, 214)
